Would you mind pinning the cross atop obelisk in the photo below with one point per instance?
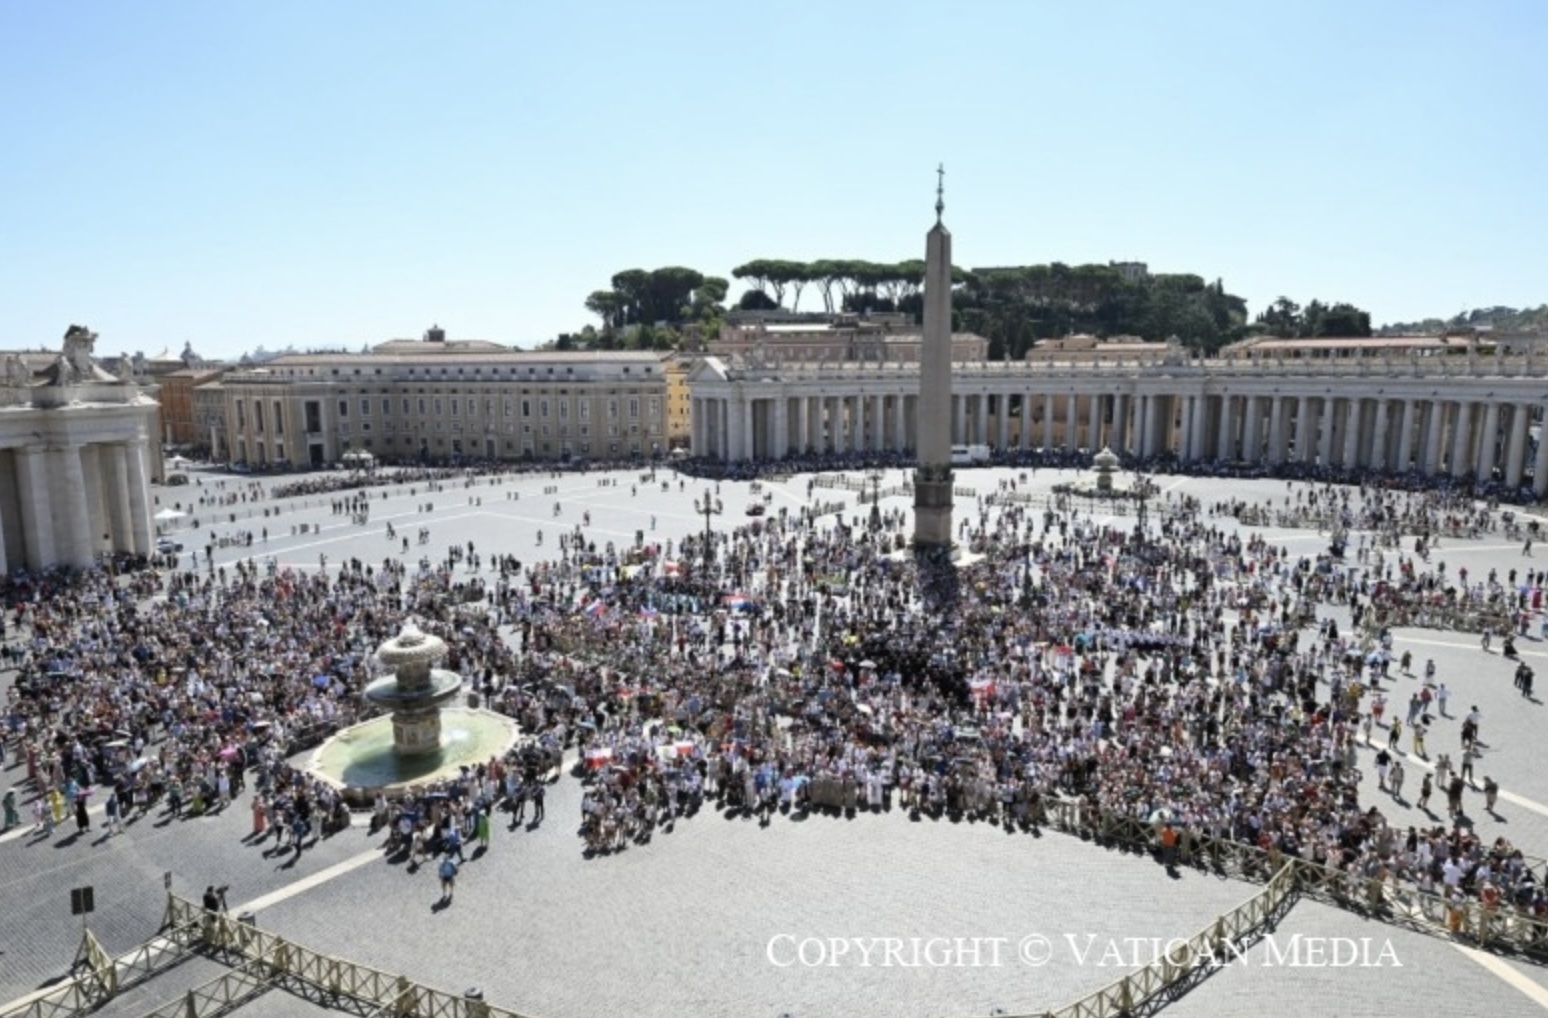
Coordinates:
(940, 192)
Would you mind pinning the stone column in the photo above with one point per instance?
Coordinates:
(1325, 424)
(115, 478)
(723, 437)
(1462, 438)
(1436, 416)
(137, 466)
(1379, 440)
(1048, 416)
(1352, 411)
(37, 512)
(1225, 448)
(1196, 450)
(1305, 432)
(780, 447)
(1276, 450)
(1252, 422)
(1540, 464)
(1118, 435)
(1002, 401)
(1487, 447)
(72, 534)
(98, 522)
(1094, 422)
(960, 431)
(857, 425)
(1071, 428)
(1405, 453)
(1519, 412)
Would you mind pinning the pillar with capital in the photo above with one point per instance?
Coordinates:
(72, 537)
(1196, 431)
(1225, 447)
(1354, 410)
(1379, 442)
(1435, 416)
(115, 479)
(1540, 464)
(1405, 453)
(1489, 440)
(99, 538)
(137, 466)
(1252, 422)
(1461, 439)
(36, 511)
(1516, 449)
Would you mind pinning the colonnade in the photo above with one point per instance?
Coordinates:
(1456, 433)
(66, 503)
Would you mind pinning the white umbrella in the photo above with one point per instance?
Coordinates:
(168, 514)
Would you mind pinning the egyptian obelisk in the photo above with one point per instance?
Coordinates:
(932, 477)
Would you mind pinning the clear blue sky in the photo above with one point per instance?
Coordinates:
(341, 173)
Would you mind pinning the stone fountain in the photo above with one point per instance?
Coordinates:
(416, 690)
(422, 738)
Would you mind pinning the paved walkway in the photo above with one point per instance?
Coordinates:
(685, 924)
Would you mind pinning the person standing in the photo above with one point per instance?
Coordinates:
(82, 821)
(1491, 793)
(537, 801)
(481, 829)
(1425, 788)
(448, 878)
(111, 810)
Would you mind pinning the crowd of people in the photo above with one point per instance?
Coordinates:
(1175, 677)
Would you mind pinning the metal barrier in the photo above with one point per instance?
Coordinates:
(304, 972)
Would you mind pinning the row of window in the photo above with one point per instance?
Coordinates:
(545, 408)
(563, 431)
(442, 371)
(508, 407)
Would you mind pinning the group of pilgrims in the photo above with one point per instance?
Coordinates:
(1191, 674)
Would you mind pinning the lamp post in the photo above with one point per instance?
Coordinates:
(709, 507)
(875, 477)
(1141, 494)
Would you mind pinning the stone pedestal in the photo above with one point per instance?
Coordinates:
(415, 733)
(932, 507)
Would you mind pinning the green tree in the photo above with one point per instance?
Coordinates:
(756, 300)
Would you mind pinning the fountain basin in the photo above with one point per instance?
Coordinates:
(390, 691)
(362, 760)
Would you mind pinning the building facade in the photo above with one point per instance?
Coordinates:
(679, 405)
(77, 452)
(1453, 416)
(434, 399)
(179, 423)
(878, 338)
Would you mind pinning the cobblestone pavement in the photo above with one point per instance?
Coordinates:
(1355, 973)
(685, 924)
